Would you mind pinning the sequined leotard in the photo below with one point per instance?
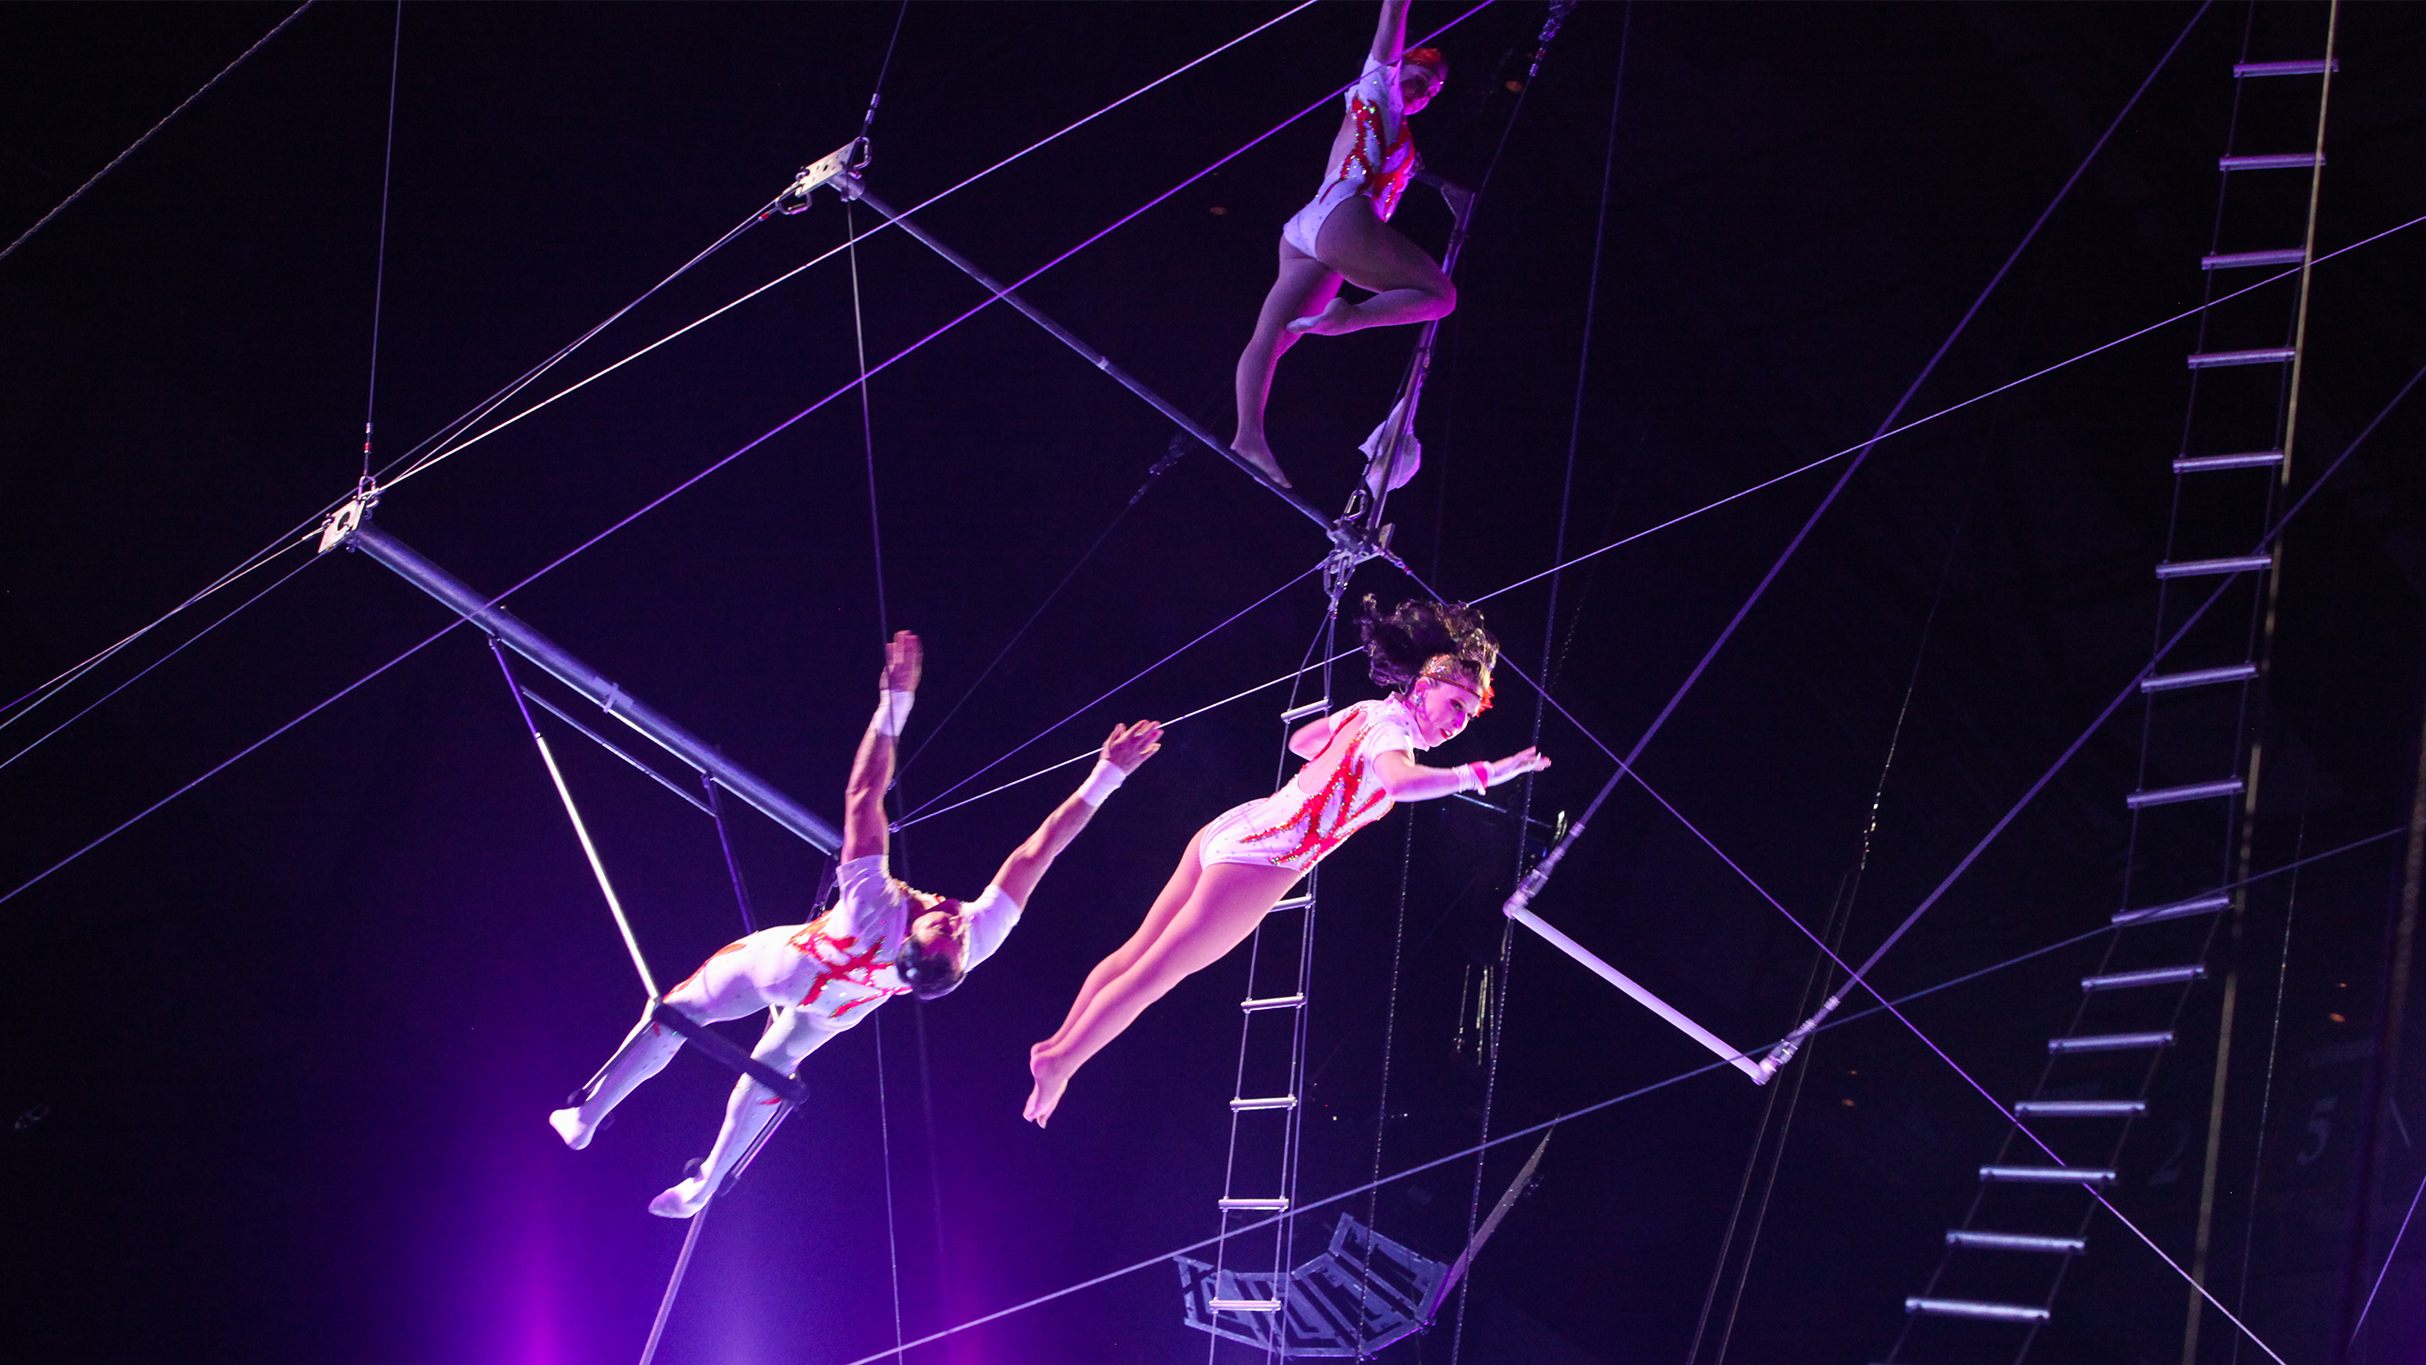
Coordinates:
(1336, 794)
(1379, 161)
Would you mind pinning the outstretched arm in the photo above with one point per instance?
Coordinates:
(864, 834)
(1407, 780)
(1390, 36)
(1128, 746)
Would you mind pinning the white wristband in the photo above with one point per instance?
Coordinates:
(1102, 782)
(892, 709)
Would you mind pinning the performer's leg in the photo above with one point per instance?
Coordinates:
(1303, 287)
(1229, 899)
(1407, 284)
(747, 1112)
(1175, 893)
(719, 990)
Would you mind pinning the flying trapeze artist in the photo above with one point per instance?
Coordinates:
(1345, 233)
(1437, 657)
(880, 939)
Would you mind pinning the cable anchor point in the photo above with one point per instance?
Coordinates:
(341, 524)
(1793, 1042)
(843, 163)
(1353, 543)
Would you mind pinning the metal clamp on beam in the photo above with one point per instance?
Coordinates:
(715, 1045)
(850, 156)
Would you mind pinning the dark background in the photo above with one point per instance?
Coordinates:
(279, 1052)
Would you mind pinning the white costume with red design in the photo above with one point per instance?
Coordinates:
(821, 978)
(1378, 163)
(1333, 796)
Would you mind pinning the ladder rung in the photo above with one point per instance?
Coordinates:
(2082, 1109)
(2207, 464)
(1273, 1002)
(2199, 677)
(2153, 976)
(1292, 903)
(2048, 1175)
(1315, 707)
(1966, 1308)
(2109, 1042)
(2315, 66)
(1243, 1305)
(1276, 1102)
(2195, 791)
(1254, 1205)
(2196, 905)
(2238, 260)
(2271, 161)
(2015, 1241)
(2263, 355)
(2197, 568)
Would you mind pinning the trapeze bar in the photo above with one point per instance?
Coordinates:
(2109, 1042)
(1313, 708)
(2273, 161)
(2199, 677)
(1703, 1036)
(1292, 903)
(2205, 464)
(2196, 905)
(2047, 1175)
(2198, 568)
(1243, 1305)
(2239, 260)
(1966, 1308)
(2312, 67)
(1253, 1205)
(850, 186)
(2082, 1109)
(1273, 1002)
(1275, 1102)
(2263, 355)
(2195, 791)
(352, 528)
(2016, 1241)
(2153, 976)
(717, 1046)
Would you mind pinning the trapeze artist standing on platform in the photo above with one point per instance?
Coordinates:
(1359, 762)
(1345, 232)
(880, 939)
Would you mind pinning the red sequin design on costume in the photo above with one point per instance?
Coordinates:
(1383, 187)
(1321, 837)
(850, 968)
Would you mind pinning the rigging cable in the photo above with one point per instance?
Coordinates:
(387, 184)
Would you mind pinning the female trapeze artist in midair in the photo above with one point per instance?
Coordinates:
(880, 939)
(1359, 761)
(1344, 232)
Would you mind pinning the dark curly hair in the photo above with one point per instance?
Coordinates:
(1416, 632)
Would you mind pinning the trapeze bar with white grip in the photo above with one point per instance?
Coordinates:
(1516, 911)
(351, 528)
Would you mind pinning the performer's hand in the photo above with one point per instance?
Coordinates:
(1517, 765)
(902, 659)
(1131, 745)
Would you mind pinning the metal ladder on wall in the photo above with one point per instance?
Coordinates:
(2191, 813)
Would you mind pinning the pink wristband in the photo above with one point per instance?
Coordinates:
(1479, 773)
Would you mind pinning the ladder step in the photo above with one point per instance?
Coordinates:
(2154, 976)
(2196, 568)
(2200, 677)
(1966, 1308)
(2196, 905)
(2109, 1042)
(2082, 1109)
(1292, 903)
(2313, 67)
(2195, 791)
(2263, 355)
(2273, 161)
(1243, 1305)
(2240, 260)
(2015, 1241)
(2047, 1175)
(1254, 1205)
(1320, 705)
(1274, 1002)
(2205, 464)
(1288, 1102)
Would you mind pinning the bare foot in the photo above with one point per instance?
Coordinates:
(1051, 1079)
(1257, 453)
(1336, 317)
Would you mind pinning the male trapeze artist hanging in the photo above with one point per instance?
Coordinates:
(879, 940)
